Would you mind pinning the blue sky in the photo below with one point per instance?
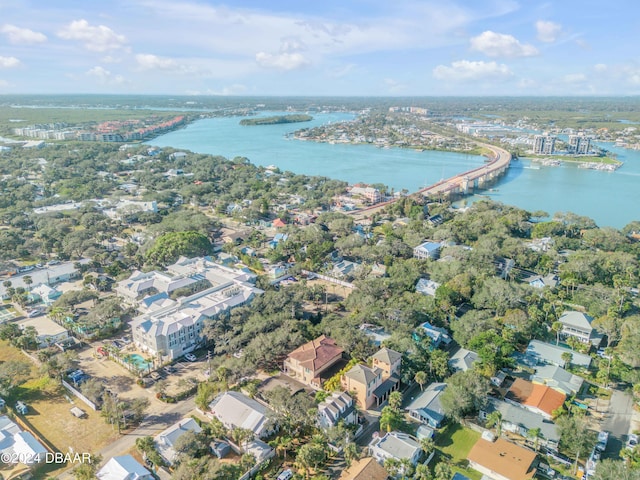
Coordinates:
(329, 47)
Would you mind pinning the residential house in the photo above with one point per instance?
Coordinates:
(236, 410)
(45, 294)
(396, 445)
(48, 332)
(165, 440)
(427, 250)
(376, 334)
(462, 360)
(542, 281)
(261, 451)
(124, 467)
(427, 287)
(426, 407)
(365, 469)
(339, 406)
(277, 239)
(279, 223)
(19, 446)
(545, 353)
(308, 362)
(520, 421)
(558, 379)
(502, 460)
(439, 336)
(389, 361)
(344, 268)
(537, 398)
(48, 275)
(373, 385)
(578, 325)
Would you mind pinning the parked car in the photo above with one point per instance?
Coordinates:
(155, 375)
(191, 357)
(169, 369)
(632, 441)
(21, 407)
(34, 313)
(603, 438)
(285, 475)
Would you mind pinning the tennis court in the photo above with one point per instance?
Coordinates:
(6, 314)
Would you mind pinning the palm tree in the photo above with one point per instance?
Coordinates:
(422, 472)
(495, 419)
(350, 453)
(567, 357)
(421, 379)
(534, 433)
(427, 445)
(557, 327)
(28, 281)
(443, 471)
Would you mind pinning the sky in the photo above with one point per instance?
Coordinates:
(326, 47)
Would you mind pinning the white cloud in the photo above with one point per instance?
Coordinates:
(465, 70)
(339, 72)
(105, 76)
(548, 32)
(9, 62)
(600, 67)
(495, 44)
(394, 86)
(22, 36)
(3, 83)
(575, 78)
(234, 89)
(282, 61)
(148, 61)
(95, 38)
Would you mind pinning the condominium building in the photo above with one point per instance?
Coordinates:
(544, 144)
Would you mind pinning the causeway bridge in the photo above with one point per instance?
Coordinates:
(460, 184)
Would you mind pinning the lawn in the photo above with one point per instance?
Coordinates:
(454, 442)
(49, 413)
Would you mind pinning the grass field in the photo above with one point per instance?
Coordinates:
(455, 442)
(50, 417)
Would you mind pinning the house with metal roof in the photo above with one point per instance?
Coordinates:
(236, 410)
(124, 467)
(427, 250)
(538, 353)
(166, 439)
(339, 406)
(462, 360)
(395, 445)
(558, 379)
(426, 407)
(19, 446)
(578, 325)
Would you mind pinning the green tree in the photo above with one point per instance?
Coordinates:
(465, 394)
(421, 379)
(167, 248)
(494, 419)
(575, 437)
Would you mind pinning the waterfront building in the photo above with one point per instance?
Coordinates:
(544, 144)
(579, 144)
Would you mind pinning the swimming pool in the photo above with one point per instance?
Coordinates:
(139, 362)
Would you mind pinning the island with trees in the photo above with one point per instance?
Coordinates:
(277, 119)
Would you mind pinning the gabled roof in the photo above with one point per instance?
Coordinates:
(124, 467)
(578, 320)
(396, 445)
(535, 396)
(363, 374)
(428, 402)
(558, 379)
(365, 469)
(388, 356)
(238, 410)
(317, 353)
(504, 458)
(463, 360)
(523, 418)
(546, 353)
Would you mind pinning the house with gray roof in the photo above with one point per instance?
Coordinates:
(165, 440)
(426, 407)
(430, 250)
(520, 421)
(427, 287)
(124, 467)
(558, 378)
(18, 445)
(539, 353)
(578, 325)
(395, 445)
(339, 406)
(462, 360)
(236, 410)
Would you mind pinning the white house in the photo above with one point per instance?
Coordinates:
(462, 360)
(396, 445)
(578, 325)
(124, 467)
(165, 440)
(338, 406)
(426, 250)
(19, 446)
(236, 410)
(426, 406)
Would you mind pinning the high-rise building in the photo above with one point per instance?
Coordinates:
(544, 144)
(579, 144)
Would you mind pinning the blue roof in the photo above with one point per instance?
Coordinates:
(459, 476)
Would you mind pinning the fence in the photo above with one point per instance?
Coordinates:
(89, 403)
(328, 279)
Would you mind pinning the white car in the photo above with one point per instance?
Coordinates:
(191, 357)
(632, 441)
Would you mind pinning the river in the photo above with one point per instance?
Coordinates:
(610, 198)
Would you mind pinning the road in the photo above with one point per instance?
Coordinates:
(618, 422)
(149, 427)
(501, 159)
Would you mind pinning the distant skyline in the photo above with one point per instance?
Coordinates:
(332, 47)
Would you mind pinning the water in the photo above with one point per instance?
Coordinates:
(267, 145)
(610, 198)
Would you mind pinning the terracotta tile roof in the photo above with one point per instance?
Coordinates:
(317, 353)
(365, 469)
(533, 395)
(504, 458)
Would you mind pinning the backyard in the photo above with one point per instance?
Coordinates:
(454, 442)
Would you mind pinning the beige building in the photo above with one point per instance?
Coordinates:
(309, 362)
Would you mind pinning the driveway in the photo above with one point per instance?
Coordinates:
(618, 422)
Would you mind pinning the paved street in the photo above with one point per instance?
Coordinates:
(618, 422)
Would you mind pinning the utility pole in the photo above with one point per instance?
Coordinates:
(209, 362)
